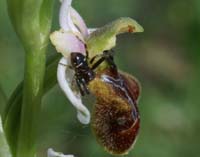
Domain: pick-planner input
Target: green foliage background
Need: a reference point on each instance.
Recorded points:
(165, 58)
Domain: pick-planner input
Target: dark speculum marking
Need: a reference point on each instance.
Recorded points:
(121, 87)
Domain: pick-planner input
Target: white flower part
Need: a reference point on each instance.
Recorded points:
(66, 42)
(4, 149)
(90, 30)
(70, 20)
(65, 17)
(1, 126)
(65, 78)
(52, 153)
(79, 22)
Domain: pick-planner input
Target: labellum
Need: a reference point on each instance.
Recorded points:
(115, 118)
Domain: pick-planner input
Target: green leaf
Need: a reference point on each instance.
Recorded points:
(104, 38)
(31, 20)
(3, 100)
(11, 116)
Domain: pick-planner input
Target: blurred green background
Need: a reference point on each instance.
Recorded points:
(165, 58)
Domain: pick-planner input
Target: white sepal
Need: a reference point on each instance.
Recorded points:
(52, 153)
(66, 42)
(65, 78)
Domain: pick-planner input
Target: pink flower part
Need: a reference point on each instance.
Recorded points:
(79, 22)
(64, 16)
(67, 42)
(70, 20)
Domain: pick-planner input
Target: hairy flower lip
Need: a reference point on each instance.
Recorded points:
(65, 76)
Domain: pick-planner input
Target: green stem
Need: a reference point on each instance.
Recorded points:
(32, 95)
(12, 112)
(3, 100)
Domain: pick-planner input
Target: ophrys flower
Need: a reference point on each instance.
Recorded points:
(115, 118)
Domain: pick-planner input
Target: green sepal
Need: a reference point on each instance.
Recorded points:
(104, 38)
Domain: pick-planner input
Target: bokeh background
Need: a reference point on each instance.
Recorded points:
(165, 58)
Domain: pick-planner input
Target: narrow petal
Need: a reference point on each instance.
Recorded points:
(64, 14)
(65, 19)
(66, 42)
(104, 38)
(65, 76)
(79, 22)
(52, 153)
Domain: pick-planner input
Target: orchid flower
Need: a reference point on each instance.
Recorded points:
(74, 36)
